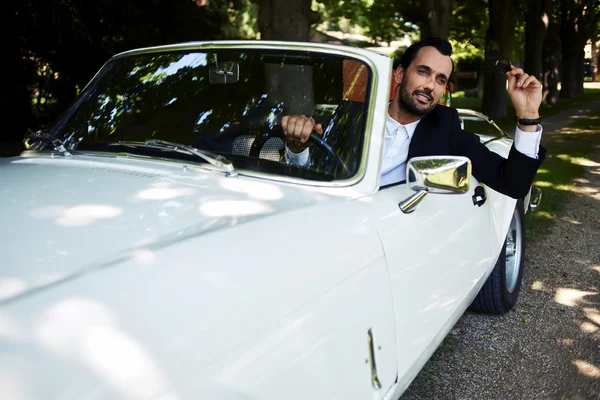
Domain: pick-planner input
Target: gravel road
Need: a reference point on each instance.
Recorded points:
(549, 346)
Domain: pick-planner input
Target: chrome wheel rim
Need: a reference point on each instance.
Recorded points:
(514, 251)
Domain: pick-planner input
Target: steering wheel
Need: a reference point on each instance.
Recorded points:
(277, 131)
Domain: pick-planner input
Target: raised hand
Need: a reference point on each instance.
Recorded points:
(525, 93)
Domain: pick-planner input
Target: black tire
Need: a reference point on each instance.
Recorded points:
(496, 296)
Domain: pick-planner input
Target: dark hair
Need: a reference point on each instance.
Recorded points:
(441, 45)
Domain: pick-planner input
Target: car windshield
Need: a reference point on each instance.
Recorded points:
(227, 102)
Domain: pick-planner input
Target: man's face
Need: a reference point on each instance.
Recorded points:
(423, 83)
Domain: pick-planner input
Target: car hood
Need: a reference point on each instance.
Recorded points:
(65, 216)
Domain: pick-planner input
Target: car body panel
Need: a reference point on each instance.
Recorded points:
(479, 123)
(181, 338)
(429, 284)
(131, 277)
(97, 211)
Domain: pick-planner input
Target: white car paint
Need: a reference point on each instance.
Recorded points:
(141, 279)
(429, 285)
(88, 211)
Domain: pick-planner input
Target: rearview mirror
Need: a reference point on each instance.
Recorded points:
(224, 72)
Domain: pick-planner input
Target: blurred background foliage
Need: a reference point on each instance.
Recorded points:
(56, 46)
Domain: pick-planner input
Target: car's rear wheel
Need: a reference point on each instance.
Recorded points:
(500, 292)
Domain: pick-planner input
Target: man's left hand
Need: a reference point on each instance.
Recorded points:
(525, 93)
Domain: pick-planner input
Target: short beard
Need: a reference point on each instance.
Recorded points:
(408, 103)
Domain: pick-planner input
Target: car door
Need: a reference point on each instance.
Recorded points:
(436, 255)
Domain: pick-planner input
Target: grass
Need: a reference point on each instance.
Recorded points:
(567, 149)
(459, 100)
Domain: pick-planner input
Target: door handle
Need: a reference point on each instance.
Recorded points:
(374, 376)
(479, 197)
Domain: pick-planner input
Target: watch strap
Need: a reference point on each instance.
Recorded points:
(529, 121)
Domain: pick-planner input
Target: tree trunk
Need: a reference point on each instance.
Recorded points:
(537, 21)
(567, 33)
(569, 70)
(579, 72)
(499, 31)
(285, 19)
(290, 85)
(551, 56)
(436, 17)
(595, 60)
(577, 23)
(572, 68)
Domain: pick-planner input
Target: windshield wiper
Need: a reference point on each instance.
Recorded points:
(56, 142)
(214, 159)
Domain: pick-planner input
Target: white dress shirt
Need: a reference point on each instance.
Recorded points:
(397, 141)
(395, 150)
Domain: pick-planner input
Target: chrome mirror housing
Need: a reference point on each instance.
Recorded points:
(436, 174)
(439, 174)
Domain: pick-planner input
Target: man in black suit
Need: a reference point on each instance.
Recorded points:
(417, 126)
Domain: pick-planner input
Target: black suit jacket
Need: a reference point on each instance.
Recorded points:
(439, 133)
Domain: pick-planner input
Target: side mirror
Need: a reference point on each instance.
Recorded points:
(436, 174)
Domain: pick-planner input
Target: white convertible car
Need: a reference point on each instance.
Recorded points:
(157, 245)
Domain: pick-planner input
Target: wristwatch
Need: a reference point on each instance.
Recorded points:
(529, 121)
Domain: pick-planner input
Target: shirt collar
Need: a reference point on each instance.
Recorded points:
(392, 126)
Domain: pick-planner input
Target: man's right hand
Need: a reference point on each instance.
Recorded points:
(297, 130)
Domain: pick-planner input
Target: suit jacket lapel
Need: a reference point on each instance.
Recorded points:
(423, 134)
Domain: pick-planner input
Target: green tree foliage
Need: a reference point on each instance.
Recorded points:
(338, 13)
(468, 25)
(58, 45)
(386, 20)
(385, 23)
(242, 18)
(431, 16)
(469, 18)
(381, 20)
(61, 44)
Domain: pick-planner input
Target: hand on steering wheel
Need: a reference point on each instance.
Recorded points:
(297, 129)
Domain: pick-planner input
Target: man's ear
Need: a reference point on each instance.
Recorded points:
(399, 74)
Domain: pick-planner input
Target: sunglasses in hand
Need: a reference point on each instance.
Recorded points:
(493, 62)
